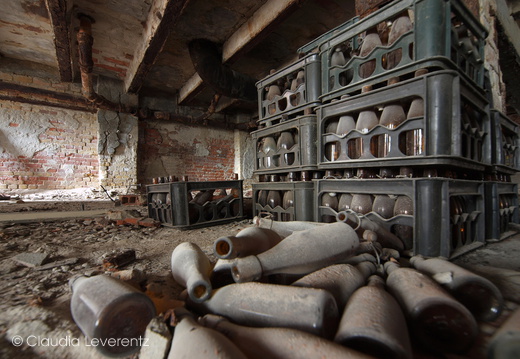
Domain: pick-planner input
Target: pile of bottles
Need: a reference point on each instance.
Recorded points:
(303, 290)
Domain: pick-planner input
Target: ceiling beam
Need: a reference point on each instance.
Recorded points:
(58, 15)
(161, 19)
(253, 30)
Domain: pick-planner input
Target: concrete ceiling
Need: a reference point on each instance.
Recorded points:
(144, 42)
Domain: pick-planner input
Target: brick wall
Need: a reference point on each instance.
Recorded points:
(202, 154)
(47, 148)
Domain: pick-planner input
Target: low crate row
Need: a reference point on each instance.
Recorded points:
(195, 204)
(432, 216)
(395, 41)
(432, 119)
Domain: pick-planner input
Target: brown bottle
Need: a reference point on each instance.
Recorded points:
(478, 294)
(384, 206)
(298, 81)
(271, 305)
(436, 320)
(288, 198)
(329, 200)
(367, 120)
(415, 138)
(370, 41)
(340, 280)
(373, 323)
(279, 343)
(192, 340)
(249, 241)
(337, 59)
(106, 308)
(345, 202)
(505, 343)
(286, 142)
(404, 205)
(361, 203)
(332, 149)
(269, 147)
(400, 26)
(300, 253)
(191, 268)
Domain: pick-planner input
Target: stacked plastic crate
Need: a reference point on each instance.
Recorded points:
(406, 135)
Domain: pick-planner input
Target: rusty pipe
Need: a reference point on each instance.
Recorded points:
(86, 66)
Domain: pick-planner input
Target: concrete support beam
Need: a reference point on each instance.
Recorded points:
(161, 19)
(256, 27)
(58, 16)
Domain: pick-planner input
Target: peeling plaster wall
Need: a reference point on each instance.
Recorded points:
(202, 154)
(47, 148)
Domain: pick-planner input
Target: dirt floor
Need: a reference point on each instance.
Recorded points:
(35, 301)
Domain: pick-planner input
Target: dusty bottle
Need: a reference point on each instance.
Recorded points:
(370, 42)
(298, 81)
(269, 147)
(400, 26)
(284, 229)
(193, 340)
(249, 241)
(337, 58)
(414, 138)
(191, 268)
(329, 200)
(404, 205)
(505, 343)
(279, 343)
(437, 321)
(345, 202)
(285, 143)
(384, 205)
(288, 198)
(273, 90)
(333, 148)
(373, 323)
(271, 305)
(367, 120)
(300, 253)
(361, 203)
(340, 280)
(106, 308)
(362, 224)
(478, 294)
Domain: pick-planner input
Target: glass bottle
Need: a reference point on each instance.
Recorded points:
(384, 205)
(361, 203)
(345, 202)
(332, 149)
(404, 205)
(400, 26)
(366, 121)
(106, 308)
(329, 200)
(301, 252)
(438, 321)
(191, 268)
(373, 323)
(337, 58)
(415, 141)
(248, 241)
(288, 198)
(370, 42)
(298, 81)
(286, 143)
(269, 147)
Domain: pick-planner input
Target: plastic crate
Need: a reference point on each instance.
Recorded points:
(290, 103)
(455, 128)
(434, 42)
(302, 156)
(303, 196)
(506, 142)
(439, 229)
(170, 204)
(501, 209)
